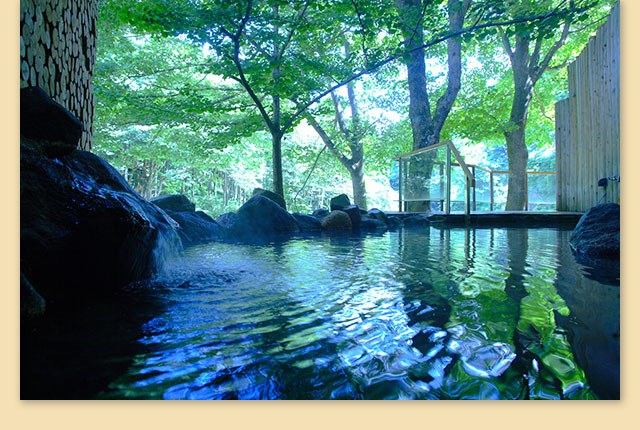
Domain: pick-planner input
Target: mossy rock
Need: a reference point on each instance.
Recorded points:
(337, 221)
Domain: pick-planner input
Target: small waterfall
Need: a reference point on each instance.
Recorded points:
(167, 254)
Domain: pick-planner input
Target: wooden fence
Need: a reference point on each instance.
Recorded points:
(57, 54)
(588, 123)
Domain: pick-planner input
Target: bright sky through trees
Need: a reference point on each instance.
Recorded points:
(167, 115)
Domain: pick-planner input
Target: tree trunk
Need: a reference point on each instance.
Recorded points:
(358, 184)
(419, 106)
(517, 152)
(518, 156)
(426, 128)
(527, 69)
(276, 151)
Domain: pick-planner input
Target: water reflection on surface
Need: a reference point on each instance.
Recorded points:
(428, 314)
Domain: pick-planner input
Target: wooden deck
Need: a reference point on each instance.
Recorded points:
(549, 219)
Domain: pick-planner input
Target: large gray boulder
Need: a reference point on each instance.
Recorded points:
(227, 220)
(83, 230)
(261, 218)
(369, 224)
(174, 202)
(354, 213)
(308, 222)
(320, 213)
(271, 195)
(339, 202)
(197, 227)
(378, 214)
(597, 234)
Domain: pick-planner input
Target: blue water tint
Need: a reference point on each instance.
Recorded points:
(429, 314)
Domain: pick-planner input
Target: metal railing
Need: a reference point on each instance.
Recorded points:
(443, 181)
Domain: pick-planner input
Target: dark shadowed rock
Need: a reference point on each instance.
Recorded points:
(336, 221)
(339, 202)
(308, 222)
(271, 195)
(354, 213)
(83, 230)
(320, 213)
(369, 223)
(227, 220)
(197, 227)
(32, 305)
(394, 222)
(260, 218)
(379, 215)
(597, 234)
(418, 220)
(175, 203)
(50, 128)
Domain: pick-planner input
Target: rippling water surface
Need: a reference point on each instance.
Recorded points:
(429, 314)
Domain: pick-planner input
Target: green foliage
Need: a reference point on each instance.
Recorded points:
(174, 115)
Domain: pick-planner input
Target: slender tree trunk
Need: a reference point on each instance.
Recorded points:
(358, 184)
(419, 106)
(527, 67)
(426, 128)
(276, 125)
(276, 145)
(517, 152)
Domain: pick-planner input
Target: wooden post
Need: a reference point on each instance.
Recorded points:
(491, 191)
(467, 197)
(400, 185)
(473, 171)
(447, 202)
(526, 191)
(441, 169)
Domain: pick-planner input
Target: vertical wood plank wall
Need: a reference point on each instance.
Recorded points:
(57, 53)
(588, 123)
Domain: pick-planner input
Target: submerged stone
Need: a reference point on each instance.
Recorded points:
(394, 222)
(417, 220)
(368, 223)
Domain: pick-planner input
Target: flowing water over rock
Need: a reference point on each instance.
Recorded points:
(426, 314)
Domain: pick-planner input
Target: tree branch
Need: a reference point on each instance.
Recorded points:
(328, 142)
(547, 58)
(170, 69)
(457, 12)
(542, 110)
(299, 16)
(339, 117)
(304, 184)
(377, 65)
(507, 45)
